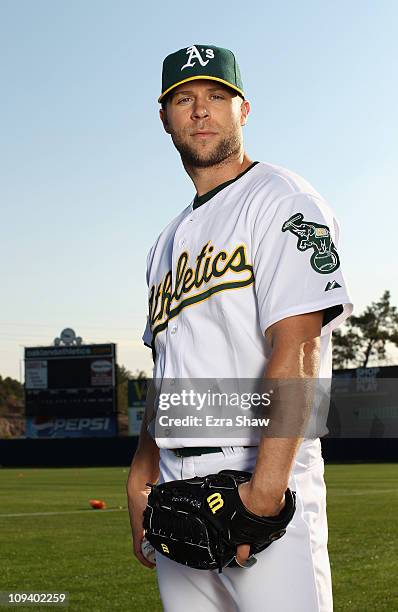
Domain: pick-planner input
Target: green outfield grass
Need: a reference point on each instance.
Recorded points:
(88, 552)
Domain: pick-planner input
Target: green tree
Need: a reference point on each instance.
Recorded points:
(123, 375)
(366, 336)
(11, 393)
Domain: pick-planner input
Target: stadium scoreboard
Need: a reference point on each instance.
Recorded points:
(71, 381)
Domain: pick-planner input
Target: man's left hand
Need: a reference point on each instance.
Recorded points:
(260, 504)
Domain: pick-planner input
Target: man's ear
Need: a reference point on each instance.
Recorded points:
(244, 111)
(163, 118)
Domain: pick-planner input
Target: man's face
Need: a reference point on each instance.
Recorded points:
(205, 120)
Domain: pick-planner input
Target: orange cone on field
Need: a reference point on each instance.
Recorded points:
(97, 504)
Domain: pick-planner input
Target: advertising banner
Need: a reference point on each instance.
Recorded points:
(42, 427)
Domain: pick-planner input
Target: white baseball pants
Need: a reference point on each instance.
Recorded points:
(291, 575)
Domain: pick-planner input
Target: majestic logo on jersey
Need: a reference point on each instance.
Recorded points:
(332, 285)
(194, 284)
(165, 549)
(215, 502)
(324, 259)
(194, 54)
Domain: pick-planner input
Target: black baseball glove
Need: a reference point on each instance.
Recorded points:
(199, 522)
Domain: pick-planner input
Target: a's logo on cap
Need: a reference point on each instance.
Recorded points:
(194, 54)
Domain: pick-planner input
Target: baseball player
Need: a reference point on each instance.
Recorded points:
(245, 283)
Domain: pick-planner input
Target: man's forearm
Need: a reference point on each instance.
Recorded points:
(145, 464)
(295, 367)
(144, 468)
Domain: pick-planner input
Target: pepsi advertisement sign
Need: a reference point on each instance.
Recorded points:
(83, 427)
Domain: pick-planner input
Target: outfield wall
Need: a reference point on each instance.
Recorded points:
(119, 451)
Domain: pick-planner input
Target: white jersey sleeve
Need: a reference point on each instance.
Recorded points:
(297, 268)
(147, 336)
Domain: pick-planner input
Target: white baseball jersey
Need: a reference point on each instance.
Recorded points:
(261, 248)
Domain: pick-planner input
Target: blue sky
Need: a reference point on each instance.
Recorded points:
(89, 178)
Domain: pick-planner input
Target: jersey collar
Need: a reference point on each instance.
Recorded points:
(199, 200)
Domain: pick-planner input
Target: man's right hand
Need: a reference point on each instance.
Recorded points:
(137, 501)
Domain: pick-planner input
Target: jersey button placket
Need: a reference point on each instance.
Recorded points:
(178, 247)
(174, 344)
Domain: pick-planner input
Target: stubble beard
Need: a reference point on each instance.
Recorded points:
(229, 146)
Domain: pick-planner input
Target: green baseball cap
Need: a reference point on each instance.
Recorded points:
(201, 62)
